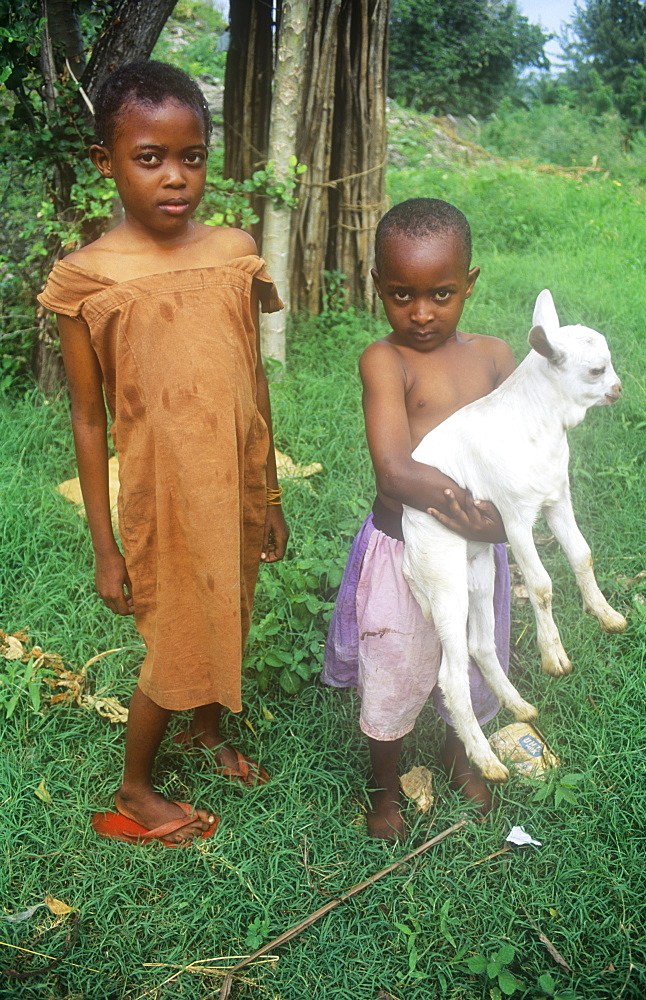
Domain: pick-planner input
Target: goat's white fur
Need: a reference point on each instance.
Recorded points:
(509, 447)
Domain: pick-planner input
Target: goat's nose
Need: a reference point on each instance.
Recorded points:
(615, 392)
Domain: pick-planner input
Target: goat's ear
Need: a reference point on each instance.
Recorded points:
(545, 313)
(538, 340)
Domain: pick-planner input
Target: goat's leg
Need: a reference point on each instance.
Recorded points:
(481, 632)
(435, 568)
(554, 659)
(560, 518)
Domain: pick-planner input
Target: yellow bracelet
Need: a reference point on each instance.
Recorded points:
(274, 497)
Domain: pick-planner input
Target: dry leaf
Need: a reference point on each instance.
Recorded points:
(248, 723)
(57, 906)
(110, 708)
(42, 794)
(267, 714)
(417, 785)
(287, 469)
(11, 647)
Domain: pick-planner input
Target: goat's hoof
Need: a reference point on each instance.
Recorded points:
(525, 712)
(495, 772)
(613, 622)
(557, 667)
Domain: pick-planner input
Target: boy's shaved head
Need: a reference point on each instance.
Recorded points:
(421, 217)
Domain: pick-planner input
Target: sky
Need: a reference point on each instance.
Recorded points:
(550, 14)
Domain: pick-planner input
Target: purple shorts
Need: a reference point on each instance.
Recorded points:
(380, 642)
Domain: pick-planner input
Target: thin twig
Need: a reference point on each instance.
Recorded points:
(556, 955)
(287, 935)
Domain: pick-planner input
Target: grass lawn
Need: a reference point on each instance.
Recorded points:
(144, 916)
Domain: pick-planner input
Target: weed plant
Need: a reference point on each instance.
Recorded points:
(145, 914)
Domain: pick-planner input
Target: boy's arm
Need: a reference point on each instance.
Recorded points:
(398, 475)
(276, 529)
(89, 426)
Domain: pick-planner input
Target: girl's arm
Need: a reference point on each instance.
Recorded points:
(89, 426)
(276, 530)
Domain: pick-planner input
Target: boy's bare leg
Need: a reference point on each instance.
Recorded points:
(384, 818)
(463, 778)
(137, 798)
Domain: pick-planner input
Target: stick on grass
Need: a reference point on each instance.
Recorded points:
(287, 935)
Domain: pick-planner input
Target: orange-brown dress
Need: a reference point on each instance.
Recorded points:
(177, 352)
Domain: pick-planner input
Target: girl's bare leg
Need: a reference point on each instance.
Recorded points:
(137, 798)
(384, 818)
(206, 735)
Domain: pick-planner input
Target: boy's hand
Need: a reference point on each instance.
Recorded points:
(111, 579)
(276, 534)
(476, 520)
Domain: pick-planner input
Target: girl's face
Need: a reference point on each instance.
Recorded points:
(158, 162)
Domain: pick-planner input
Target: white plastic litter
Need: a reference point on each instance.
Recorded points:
(518, 836)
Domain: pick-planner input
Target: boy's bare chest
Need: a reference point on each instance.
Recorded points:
(436, 389)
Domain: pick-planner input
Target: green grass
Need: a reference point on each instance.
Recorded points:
(283, 850)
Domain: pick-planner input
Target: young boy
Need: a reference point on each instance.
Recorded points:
(413, 379)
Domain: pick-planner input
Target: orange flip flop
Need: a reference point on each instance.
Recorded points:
(116, 826)
(247, 772)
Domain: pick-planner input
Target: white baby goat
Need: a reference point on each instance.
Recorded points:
(509, 447)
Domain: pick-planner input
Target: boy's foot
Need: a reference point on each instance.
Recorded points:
(384, 818)
(231, 762)
(152, 810)
(462, 776)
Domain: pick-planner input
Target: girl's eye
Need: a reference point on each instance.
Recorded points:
(195, 159)
(597, 371)
(150, 159)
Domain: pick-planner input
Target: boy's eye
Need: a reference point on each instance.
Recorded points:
(442, 295)
(402, 296)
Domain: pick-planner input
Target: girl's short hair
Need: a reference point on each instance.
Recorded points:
(148, 82)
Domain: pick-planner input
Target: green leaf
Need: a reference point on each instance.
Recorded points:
(508, 982)
(403, 928)
(493, 968)
(289, 682)
(477, 963)
(506, 954)
(546, 982)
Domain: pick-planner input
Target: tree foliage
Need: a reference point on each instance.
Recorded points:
(459, 56)
(608, 49)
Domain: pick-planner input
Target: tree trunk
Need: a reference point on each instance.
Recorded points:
(130, 32)
(285, 115)
(341, 137)
(359, 145)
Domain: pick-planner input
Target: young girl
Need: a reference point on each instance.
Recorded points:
(161, 315)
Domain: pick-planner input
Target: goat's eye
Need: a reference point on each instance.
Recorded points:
(597, 371)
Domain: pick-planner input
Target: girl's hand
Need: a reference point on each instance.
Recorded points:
(276, 534)
(113, 583)
(476, 520)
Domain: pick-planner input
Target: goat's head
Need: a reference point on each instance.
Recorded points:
(578, 354)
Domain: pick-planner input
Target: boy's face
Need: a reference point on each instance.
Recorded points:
(423, 283)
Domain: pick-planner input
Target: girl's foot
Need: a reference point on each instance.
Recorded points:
(151, 810)
(384, 818)
(462, 777)
(231, 763)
